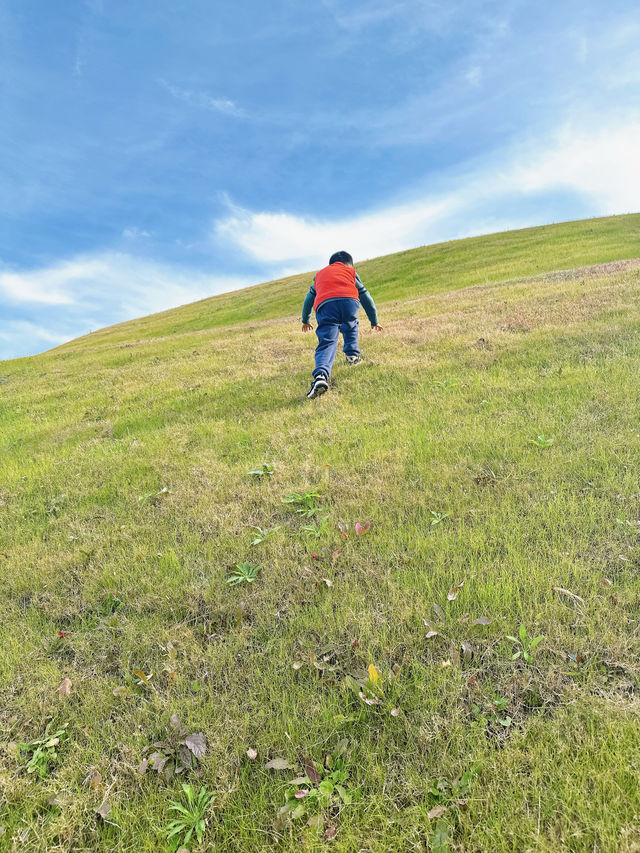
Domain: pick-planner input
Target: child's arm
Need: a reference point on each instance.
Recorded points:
(307, 307)
(366, 300)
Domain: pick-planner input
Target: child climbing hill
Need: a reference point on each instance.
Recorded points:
(336, 295)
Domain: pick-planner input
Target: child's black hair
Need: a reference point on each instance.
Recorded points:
(341, 258)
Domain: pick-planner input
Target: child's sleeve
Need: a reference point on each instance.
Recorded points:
(307, 305)
(366, 300)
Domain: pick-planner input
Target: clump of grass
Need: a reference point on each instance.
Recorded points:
(192, 816)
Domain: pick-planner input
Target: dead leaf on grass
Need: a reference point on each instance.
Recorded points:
(64, 688)
(365, 527)
(482, 620)
(278, 764)
(252, 753)
(104, 810)
(431, 631)
(453, 592)
(310, 770)
(330, 832)
(368, 700)
(144, 678)
(436, 812)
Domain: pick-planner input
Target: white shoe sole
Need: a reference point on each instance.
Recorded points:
(317, 391)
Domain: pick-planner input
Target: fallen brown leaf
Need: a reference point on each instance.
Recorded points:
(436, 812)
(104, 810)
(330, 832)
(453, 592)
(431, 631)
(278, 764)
(310, 770)
(64, 688)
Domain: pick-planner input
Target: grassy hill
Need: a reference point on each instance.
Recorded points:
(491, 439)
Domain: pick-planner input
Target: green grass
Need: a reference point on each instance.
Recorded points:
(126, 500)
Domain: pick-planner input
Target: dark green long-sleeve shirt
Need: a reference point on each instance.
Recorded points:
(366, 300)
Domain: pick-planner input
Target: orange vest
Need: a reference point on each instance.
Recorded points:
(335, 280)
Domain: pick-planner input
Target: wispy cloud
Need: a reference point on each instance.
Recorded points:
(33, 287)
(408, 14)
(134, 233)
(599, 169)
(203, 100)
(66, 298)
(17, 330)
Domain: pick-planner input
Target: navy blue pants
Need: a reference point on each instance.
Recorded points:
(333, 317)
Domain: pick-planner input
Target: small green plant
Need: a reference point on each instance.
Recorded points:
(264, 533)
(319, 789)
(526, 644)
(262, 471)
(243, 573)
(178, 752)
(446, 799)
(491, 713)
(304, 504)
(446, 383)
(41, 753)
(438, 517)
(317, 530)
(370, 690)
(110, 604)
(541, 440)
(192, 818)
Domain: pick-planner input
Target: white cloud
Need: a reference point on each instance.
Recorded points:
(136, 286)
(203, 100)
(600, 168)
(33, 287)
(134, 233)
(71, 298)
(602, 164)
(19, 330)
(282, 237)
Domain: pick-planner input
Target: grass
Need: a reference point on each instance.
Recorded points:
(126, 500)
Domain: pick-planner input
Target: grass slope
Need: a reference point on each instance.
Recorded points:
(125, 496)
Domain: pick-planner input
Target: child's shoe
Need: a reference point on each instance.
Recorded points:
(354, 359)
(318, 386)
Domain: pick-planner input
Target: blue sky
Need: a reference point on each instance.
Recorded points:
(154, 152)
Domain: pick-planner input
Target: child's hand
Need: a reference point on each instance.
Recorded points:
(377, 328)
(307, 327)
